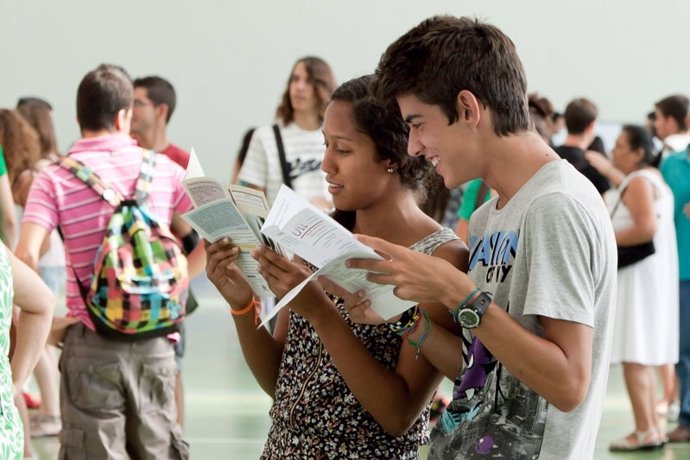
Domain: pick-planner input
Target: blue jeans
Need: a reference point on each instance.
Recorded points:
(683, 366)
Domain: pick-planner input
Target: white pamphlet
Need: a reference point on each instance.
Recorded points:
(314, 236)
(194, 168)
(235, 213)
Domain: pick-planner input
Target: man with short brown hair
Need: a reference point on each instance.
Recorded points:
(536, 310)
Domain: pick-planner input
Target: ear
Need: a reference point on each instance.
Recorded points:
(389, 164)
(469, 108)
(639, 153)
(591, 127)
(162, 112)
(122, 120)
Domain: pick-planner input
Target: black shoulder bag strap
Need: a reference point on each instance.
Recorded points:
(281, 154)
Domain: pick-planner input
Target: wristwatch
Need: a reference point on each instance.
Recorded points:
(471, 314)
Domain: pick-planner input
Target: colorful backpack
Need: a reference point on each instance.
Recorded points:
(139, 285)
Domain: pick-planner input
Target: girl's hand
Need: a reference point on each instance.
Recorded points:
(281, 274)
(222, 270)
(357, 304)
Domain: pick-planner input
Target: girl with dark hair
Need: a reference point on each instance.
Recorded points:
(647, 303)
(297, 133)
(342, 389)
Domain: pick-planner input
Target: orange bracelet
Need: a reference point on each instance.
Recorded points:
(250, 306)
(244, 310)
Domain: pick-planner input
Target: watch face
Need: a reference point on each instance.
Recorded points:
(468, 318)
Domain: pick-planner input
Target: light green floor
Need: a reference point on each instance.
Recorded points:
(227, 413)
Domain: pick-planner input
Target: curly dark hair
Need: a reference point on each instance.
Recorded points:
(386, 128)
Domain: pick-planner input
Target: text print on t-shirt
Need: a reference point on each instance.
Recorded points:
(496, 252)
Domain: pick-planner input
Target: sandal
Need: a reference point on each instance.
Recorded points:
(639, 440)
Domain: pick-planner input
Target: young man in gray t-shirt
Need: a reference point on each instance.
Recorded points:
(535, 311)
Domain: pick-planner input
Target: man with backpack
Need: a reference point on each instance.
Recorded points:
(153, 105)
(126, 287)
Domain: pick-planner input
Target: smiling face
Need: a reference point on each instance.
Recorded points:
(449, 147)
(356, 179)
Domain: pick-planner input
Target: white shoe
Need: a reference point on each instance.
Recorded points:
(43, 425)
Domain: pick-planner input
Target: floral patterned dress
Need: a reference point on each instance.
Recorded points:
(316, 416)
(11, 434)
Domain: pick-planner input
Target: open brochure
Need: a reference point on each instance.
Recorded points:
(308, 232)
(235, 212)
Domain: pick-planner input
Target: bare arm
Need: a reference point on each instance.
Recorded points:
(639, 199)
(605, 167)
(261, 351)
(196, 260)
(31, 239)
(394, 398)
(36, 302)
(565, 347)
(462, 229)
(560, 370)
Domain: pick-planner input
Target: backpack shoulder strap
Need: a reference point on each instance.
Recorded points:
(90, 178)
(143, 187)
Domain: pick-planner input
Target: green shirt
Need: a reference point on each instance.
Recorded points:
(676, 171)
(469, 198)
(3, 166)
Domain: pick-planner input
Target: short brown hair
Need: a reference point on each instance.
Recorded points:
(579, 114)
(676, 107)
(444, 55)
(320, 75)
(102, 93)
(160, 91)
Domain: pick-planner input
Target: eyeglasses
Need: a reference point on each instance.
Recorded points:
(139, 103)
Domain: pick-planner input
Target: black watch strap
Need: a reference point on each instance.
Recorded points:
(470, 316)
(481, 303)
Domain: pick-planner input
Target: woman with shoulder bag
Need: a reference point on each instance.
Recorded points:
(646, 326)
(290, 151)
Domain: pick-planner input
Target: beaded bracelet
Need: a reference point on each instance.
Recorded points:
(460, 306)
(407, 322)
(427, 330)
(253, 304)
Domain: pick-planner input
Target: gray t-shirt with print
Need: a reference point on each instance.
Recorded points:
(551, 252)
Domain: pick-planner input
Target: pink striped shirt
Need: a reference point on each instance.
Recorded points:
(57, 197)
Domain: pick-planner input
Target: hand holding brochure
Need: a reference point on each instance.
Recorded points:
(305, 230)
(236, 213)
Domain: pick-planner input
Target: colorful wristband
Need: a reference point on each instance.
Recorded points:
(253, 305)
(407, 322)
(460, 306)
(427, 330)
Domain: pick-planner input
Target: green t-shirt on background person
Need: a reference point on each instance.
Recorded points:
(469, 198)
